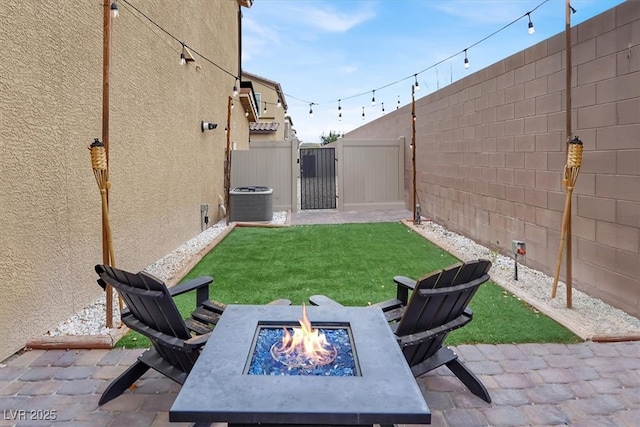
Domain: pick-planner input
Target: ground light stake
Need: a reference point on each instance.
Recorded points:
(101, 173)
(571, 171)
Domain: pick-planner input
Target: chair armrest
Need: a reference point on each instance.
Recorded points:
(406, 282)
(197, 341)
(323, 300)
(404, 285)
(201, 284)
(162, 338)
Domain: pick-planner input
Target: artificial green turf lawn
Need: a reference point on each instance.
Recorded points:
(355, 265)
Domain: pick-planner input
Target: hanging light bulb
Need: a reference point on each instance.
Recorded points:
(416, 85)
(373, 99)
(114, 10)
(340, 116)
(265, 107)
(232, 105)
(339, 106)
(235, 88)
(466, 60)
(183, 59)
(531, 29)
(398, 104)
(311, 109)
(246, 113)
(279, 104)
(362, 113)
(383, 109)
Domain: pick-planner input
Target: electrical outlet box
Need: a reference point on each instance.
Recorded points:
(518, 247)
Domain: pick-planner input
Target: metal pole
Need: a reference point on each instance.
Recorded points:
(413, 151)
(227, 161)
(106, 57)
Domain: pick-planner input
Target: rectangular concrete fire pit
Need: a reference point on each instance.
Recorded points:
(219, 390)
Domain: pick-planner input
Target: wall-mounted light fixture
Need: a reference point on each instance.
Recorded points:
(207, 126)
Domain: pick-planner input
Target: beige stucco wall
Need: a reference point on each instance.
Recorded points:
(162, 167)
(490, 151)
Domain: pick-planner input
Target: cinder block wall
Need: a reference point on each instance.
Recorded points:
(491, 153)
(162, 166)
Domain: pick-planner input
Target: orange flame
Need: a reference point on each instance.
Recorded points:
(307, 342)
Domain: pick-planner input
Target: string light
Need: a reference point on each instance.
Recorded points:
(128, 5)
(183, 59)
(246, 113)
(235, 88)
(279, 103)
(340, 116)
(362, 113)
(265, 108)
(373, 99)
(232, 105)
(383, 109)
(114, 10)
(416, 85)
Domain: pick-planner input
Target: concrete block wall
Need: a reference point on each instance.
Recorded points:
(491, 153)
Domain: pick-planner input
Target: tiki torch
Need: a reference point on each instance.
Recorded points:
(571, 170)
(101, 173)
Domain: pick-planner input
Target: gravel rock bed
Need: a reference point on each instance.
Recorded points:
(91, 319)
(588, 317)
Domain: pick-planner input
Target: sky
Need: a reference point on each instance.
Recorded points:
(322, 51)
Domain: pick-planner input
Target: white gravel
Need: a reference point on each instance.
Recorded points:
(588, 317)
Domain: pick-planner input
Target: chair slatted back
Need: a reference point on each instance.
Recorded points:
(149, 301)
(439, 299)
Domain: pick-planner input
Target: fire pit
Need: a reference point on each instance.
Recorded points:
(364, 381)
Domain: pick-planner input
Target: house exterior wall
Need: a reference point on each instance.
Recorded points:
(162, 167)
(490, 153)
(269, 94)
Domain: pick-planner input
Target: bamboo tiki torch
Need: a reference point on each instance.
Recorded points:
(571, 171)
(101, 173)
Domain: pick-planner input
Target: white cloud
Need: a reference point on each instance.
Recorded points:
(328, 19)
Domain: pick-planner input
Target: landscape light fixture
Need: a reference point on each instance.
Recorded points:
(531, 29)
(466, 60)
(416, 85)
(373, 99)
(114, 10)
(207, 126)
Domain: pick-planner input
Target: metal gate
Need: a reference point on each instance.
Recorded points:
(317, 178)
